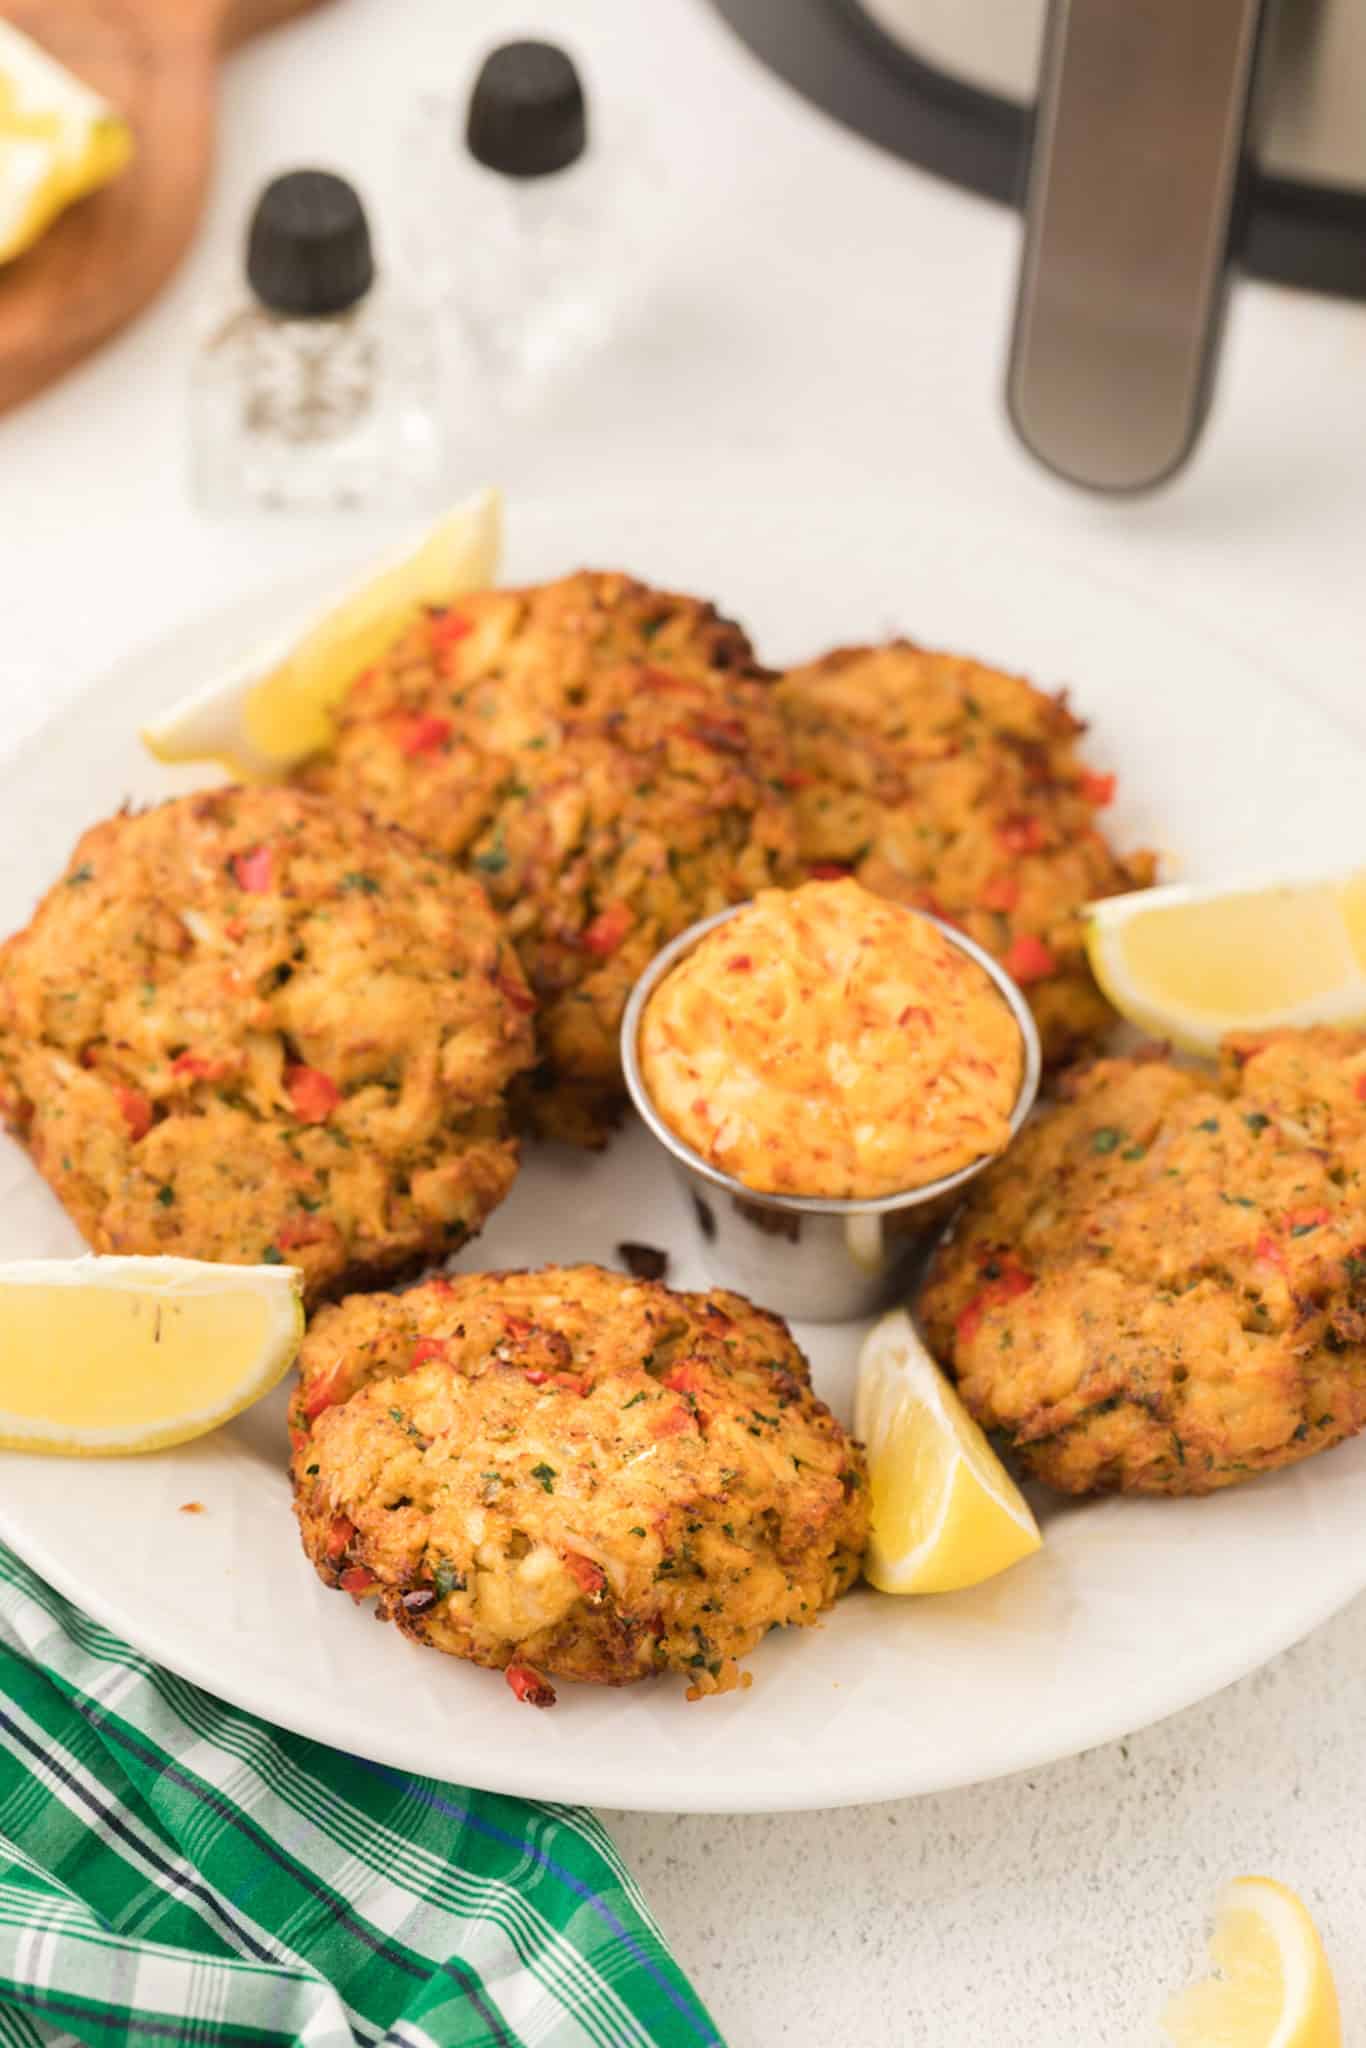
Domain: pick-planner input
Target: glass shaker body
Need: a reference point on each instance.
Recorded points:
(527, 276)
(316, 414)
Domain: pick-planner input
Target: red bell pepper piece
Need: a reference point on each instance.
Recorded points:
(312, 1094)
(254, 871)
(529, 1686)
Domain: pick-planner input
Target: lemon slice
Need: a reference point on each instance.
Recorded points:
(1190, 964)
(103, 1356)
(274, 709)
(1272, 1986)
(945, 1512)
(58, 141)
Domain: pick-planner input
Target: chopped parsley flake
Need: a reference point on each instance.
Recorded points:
(272, 1256)
(365, 884)
(84, 873)
(632, 1402)
(493, 860)
(546, 1474)
(1209, 1123)
(1106, 1139)
(166, 1195)
(447, 1579)
(1256, 1122)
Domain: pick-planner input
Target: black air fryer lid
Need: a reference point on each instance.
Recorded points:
(527, 115)
(308, 250)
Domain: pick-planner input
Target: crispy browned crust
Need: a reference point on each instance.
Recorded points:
(156, 1014)
(607, 760)
(1162, 1287)
(951, 786)
(574, 1470)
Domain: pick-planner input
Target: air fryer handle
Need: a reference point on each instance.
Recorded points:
(1140, 140)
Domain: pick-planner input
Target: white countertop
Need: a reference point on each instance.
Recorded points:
(808, 309)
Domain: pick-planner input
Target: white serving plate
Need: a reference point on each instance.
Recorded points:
(1132, 1610)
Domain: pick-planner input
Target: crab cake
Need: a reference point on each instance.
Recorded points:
(1162, 1286)
(252, 1025)
(572, 1472)
(958, 789)
(607, 760)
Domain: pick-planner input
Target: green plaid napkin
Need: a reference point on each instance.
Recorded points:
(173, 1871)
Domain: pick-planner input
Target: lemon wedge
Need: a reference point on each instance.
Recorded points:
(945, 1512)
(104, 1356)
(58, 141)
(1190, 964)
(274, 709)
(1272, 1986)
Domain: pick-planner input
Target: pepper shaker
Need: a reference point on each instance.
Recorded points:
(315, 390)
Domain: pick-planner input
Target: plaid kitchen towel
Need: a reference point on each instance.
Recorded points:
(173, 1871)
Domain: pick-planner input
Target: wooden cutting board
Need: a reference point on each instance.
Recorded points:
(101, 262)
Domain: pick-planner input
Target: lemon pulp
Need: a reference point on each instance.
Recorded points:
(945, 1513)
(104, 1359)
(1272, 1986)
(1193, 964)
(1243, 954)
(100, 1355)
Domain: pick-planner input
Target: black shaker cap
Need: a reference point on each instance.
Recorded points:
(527, 114)
(308, 250)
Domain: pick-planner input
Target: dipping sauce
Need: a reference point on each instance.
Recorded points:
(826, 1042)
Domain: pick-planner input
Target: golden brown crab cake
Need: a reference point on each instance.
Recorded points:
(573, 1473)
(1161, 1287)
(958, 789)
(253, 1025)
(607, 760)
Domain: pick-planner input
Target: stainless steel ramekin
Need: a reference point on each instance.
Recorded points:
(816, 1260)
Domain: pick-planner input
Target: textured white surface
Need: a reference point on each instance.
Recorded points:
(1053, 1910)
(812, 312)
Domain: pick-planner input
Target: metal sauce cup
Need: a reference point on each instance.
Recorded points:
(814, 1259)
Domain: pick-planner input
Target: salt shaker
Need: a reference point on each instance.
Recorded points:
(521, 217)
(315, 390)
